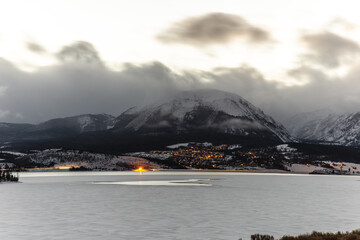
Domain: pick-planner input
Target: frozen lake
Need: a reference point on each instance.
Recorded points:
(175, 205)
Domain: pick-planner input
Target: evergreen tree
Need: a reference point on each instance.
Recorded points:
(6, 175)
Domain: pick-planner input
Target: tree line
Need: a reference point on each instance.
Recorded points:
(7, 175)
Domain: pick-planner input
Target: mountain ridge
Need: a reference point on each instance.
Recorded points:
(198, 115)
(341, 129)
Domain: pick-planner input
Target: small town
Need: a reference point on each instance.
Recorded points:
(207, 156)
(187, 156)
(236, 157)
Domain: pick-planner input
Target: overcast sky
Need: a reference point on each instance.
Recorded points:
(68, 57)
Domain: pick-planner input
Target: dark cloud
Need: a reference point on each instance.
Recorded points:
(306, 74)
(213, 28)
(319, 90)
(35, 47)
(248, 82)
(79, 52)
(324, 91)
(329, 50)
(70, 88)
(244, 80)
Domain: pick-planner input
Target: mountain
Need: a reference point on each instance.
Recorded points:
(58, 128)
(329, 128)
(303, 125)
(190, 116)
(10, 131)
(201, 111)
(78, 124)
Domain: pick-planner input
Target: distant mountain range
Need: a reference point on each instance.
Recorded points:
(190, 116)
(56, 128)
(326, 127)
(201, 115)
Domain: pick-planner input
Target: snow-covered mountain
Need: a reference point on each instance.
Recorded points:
(190, 116)
(201, 110)
(303, 125)
(337, 129)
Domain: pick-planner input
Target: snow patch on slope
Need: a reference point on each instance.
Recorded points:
(84, 121)
(285, 148)
(188, 103)
(175, 146)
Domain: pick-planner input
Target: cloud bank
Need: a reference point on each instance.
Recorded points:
(81, 83)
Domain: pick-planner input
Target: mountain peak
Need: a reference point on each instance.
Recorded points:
(205, 109)
(218, 100)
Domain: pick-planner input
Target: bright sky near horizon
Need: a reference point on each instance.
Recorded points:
(126, 31)
(291, 43)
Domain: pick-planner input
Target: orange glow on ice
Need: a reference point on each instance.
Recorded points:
(66, 167)
(140, 169)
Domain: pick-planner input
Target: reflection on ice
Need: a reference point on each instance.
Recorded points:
(189, 182)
